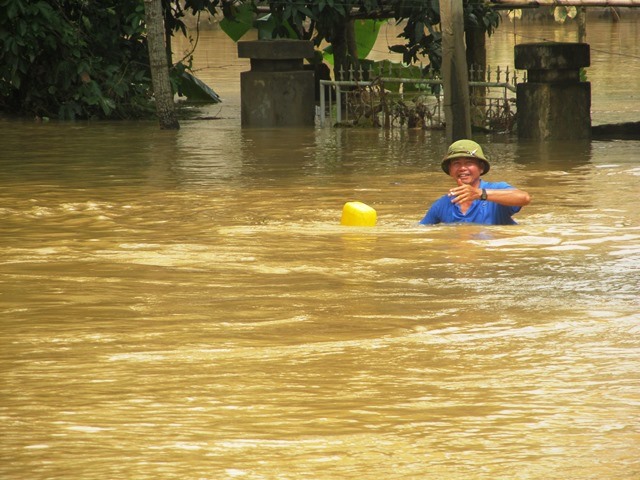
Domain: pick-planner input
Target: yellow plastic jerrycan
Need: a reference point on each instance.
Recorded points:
(358, 214)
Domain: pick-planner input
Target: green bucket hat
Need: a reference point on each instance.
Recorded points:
(465, 149)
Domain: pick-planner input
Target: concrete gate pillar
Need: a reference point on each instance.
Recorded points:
(553, 104)
(277, 92)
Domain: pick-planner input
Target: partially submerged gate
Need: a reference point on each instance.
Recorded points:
(397, 98)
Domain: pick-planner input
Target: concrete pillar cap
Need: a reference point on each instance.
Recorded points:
(551, 56)
(277, 49)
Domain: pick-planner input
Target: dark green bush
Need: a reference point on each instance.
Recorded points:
(74, 59)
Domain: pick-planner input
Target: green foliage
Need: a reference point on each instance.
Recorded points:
(561, 14)
(73, 59)
(421, 38)
(322, 20)
(88, 59)
(366, 31)
(478, 14)
(239, 20)
(175, 10)
(583, 74)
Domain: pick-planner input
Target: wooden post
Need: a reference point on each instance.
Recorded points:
(582, 25)
(454, 71)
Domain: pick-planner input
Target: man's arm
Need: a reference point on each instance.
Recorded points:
(510, 197)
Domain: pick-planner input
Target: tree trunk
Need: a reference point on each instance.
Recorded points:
(582, 25)
(159, 65)
(477, 63)
(352, 48)
(340, 52)
(454, 69)
(167, 38)
(476, 39)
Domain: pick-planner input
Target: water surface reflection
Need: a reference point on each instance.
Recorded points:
(182, 310)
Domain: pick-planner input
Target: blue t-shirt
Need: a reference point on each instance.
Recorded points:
(480, 211)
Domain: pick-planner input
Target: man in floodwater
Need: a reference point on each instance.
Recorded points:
(474, 200)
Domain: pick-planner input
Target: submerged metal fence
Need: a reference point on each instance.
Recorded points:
(389, 99)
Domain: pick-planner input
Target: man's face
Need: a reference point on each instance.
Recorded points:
(468, 170)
